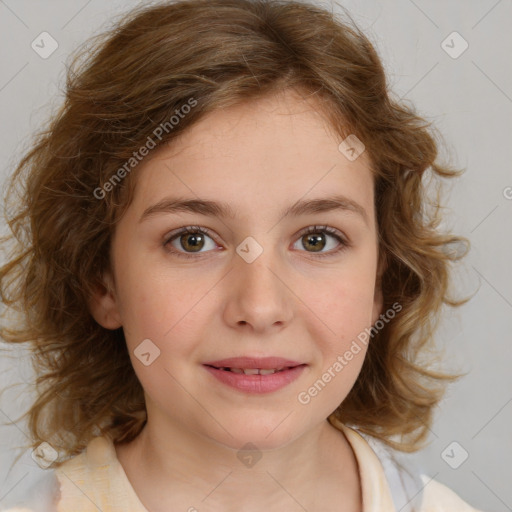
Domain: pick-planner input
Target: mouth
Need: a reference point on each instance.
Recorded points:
(255, 375)
(253, 371)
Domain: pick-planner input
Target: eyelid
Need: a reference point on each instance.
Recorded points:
(324, 228)
(187, 229)
(336, 233)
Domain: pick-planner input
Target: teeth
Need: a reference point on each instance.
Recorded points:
(251, 371)
(254, 371)
(267, 372)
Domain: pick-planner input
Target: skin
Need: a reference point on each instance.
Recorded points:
(260, 158)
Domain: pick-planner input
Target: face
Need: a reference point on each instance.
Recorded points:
(253, 282)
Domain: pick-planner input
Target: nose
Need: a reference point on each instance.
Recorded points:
(257, 296)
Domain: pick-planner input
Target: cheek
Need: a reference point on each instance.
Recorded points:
(159, 333)
(340, 326)
(344, 299)
(153, 304)
(161, 323)
(339, 322)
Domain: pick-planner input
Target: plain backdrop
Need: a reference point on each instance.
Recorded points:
(468, 96)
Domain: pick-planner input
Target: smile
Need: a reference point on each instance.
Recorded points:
(255, 380)
(255, 371)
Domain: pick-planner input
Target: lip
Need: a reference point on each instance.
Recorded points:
(266, 363)
(257, 384)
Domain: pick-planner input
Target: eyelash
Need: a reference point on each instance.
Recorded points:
(344, 244)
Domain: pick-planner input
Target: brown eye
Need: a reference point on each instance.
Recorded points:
(193, 242)
(316, 241)
(190, 241)
(317, 238)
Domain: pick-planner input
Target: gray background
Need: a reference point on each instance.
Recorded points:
(469, 99)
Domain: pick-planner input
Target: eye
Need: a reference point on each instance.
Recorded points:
(189, 241)
(316, 238)
(190, 238)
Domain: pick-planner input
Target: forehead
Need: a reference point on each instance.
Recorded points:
(282, 119)
(272, 149)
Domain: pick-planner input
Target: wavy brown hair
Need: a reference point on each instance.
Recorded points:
(120, 87)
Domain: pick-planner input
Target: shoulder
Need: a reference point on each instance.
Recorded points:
(86, 480)
(80, 484)
(95, 480)
(439, 498)
(410, 488)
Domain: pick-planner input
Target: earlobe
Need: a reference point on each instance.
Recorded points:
(103, 304)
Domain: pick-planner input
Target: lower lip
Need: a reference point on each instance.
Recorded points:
(257, 383)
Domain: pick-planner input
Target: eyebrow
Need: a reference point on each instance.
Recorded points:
(224, 210)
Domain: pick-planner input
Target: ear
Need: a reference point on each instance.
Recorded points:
(103, 304)
(378, 301)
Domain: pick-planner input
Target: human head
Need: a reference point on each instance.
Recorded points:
(303, 300)
(133, 83)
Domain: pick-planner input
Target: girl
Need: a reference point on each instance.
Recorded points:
(229, 268)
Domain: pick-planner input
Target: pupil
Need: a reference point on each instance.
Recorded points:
(195, 245)
(316, 241)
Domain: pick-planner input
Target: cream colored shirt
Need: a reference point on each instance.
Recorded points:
(95, 480)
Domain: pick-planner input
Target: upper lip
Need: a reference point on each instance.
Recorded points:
(266, 363)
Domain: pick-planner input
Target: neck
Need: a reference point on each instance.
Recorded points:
(186, 469)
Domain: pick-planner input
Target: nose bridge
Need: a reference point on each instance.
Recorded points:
(258, 276)
(257, 294)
